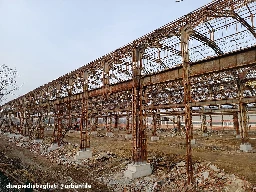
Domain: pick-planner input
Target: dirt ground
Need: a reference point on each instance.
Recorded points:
(219, 149)
(22, 165)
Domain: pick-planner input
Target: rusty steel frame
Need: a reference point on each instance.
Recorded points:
(192, 66)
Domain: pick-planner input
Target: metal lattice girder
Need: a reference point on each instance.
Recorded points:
(164, 69)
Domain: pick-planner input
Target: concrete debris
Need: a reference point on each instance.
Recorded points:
(181, 164)
(208, 177)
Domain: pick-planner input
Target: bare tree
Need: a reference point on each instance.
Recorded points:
(8, 82)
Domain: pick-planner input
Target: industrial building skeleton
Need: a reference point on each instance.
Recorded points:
(162, 70)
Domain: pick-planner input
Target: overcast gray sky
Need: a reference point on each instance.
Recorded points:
(44, 39)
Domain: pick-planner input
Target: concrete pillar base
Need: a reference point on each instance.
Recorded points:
(83, 155)
(25, 139)
(38, 140)
(110, 134)
(53, 147)
(193, 141)
(238, 136)
(17, 136)
(11, 135)
(246, 147)
(154, 138)
(94, 133)
(136, 171)
(128, 136)
(49, 128)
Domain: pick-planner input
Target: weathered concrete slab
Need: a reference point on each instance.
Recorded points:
(135, 171)
(83, 155)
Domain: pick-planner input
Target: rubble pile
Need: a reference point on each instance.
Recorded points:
(207, 178)
(169, 173)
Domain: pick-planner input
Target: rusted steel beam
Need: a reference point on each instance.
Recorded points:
(154, 123)
(204, 127)
(128, 129)
(210, 122)
(185, 33)
(238, 59)
(139, 154)
(84, 120)
(236, 123)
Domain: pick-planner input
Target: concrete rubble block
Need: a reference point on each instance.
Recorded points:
(38, 140)
(94, 133)
(19, 144)
(246, 147)
(193, 141)
(6, 133)
(138, 170)
(198, 181)
(214, 168)
(205, 135)
(25, 139)
(154, 138)
(86, 154)
(49, 128)
(17, 136)
(128, 136)
(53, 147)
(205, 175)
(110, 134)
(238, 136)
(181, 164)
(11, 135)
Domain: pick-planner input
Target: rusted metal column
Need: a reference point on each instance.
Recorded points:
(139, 154)
(173, 121)
(84, 123)
(21, 117)
(185, 32)
(59, 124)
(178, 124)
(236, 123)
(222, 122)
(116, 121)
(210, 122)
(39, 128)
(243, 122)
(128, 130)
(69, 104)
(154, 123)
(10, 123)
(105, 122)
(26, 119)
(204, 127)
(106, 78)
(58, 114)
(29, 122)
(95, 124)
(110, 123)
